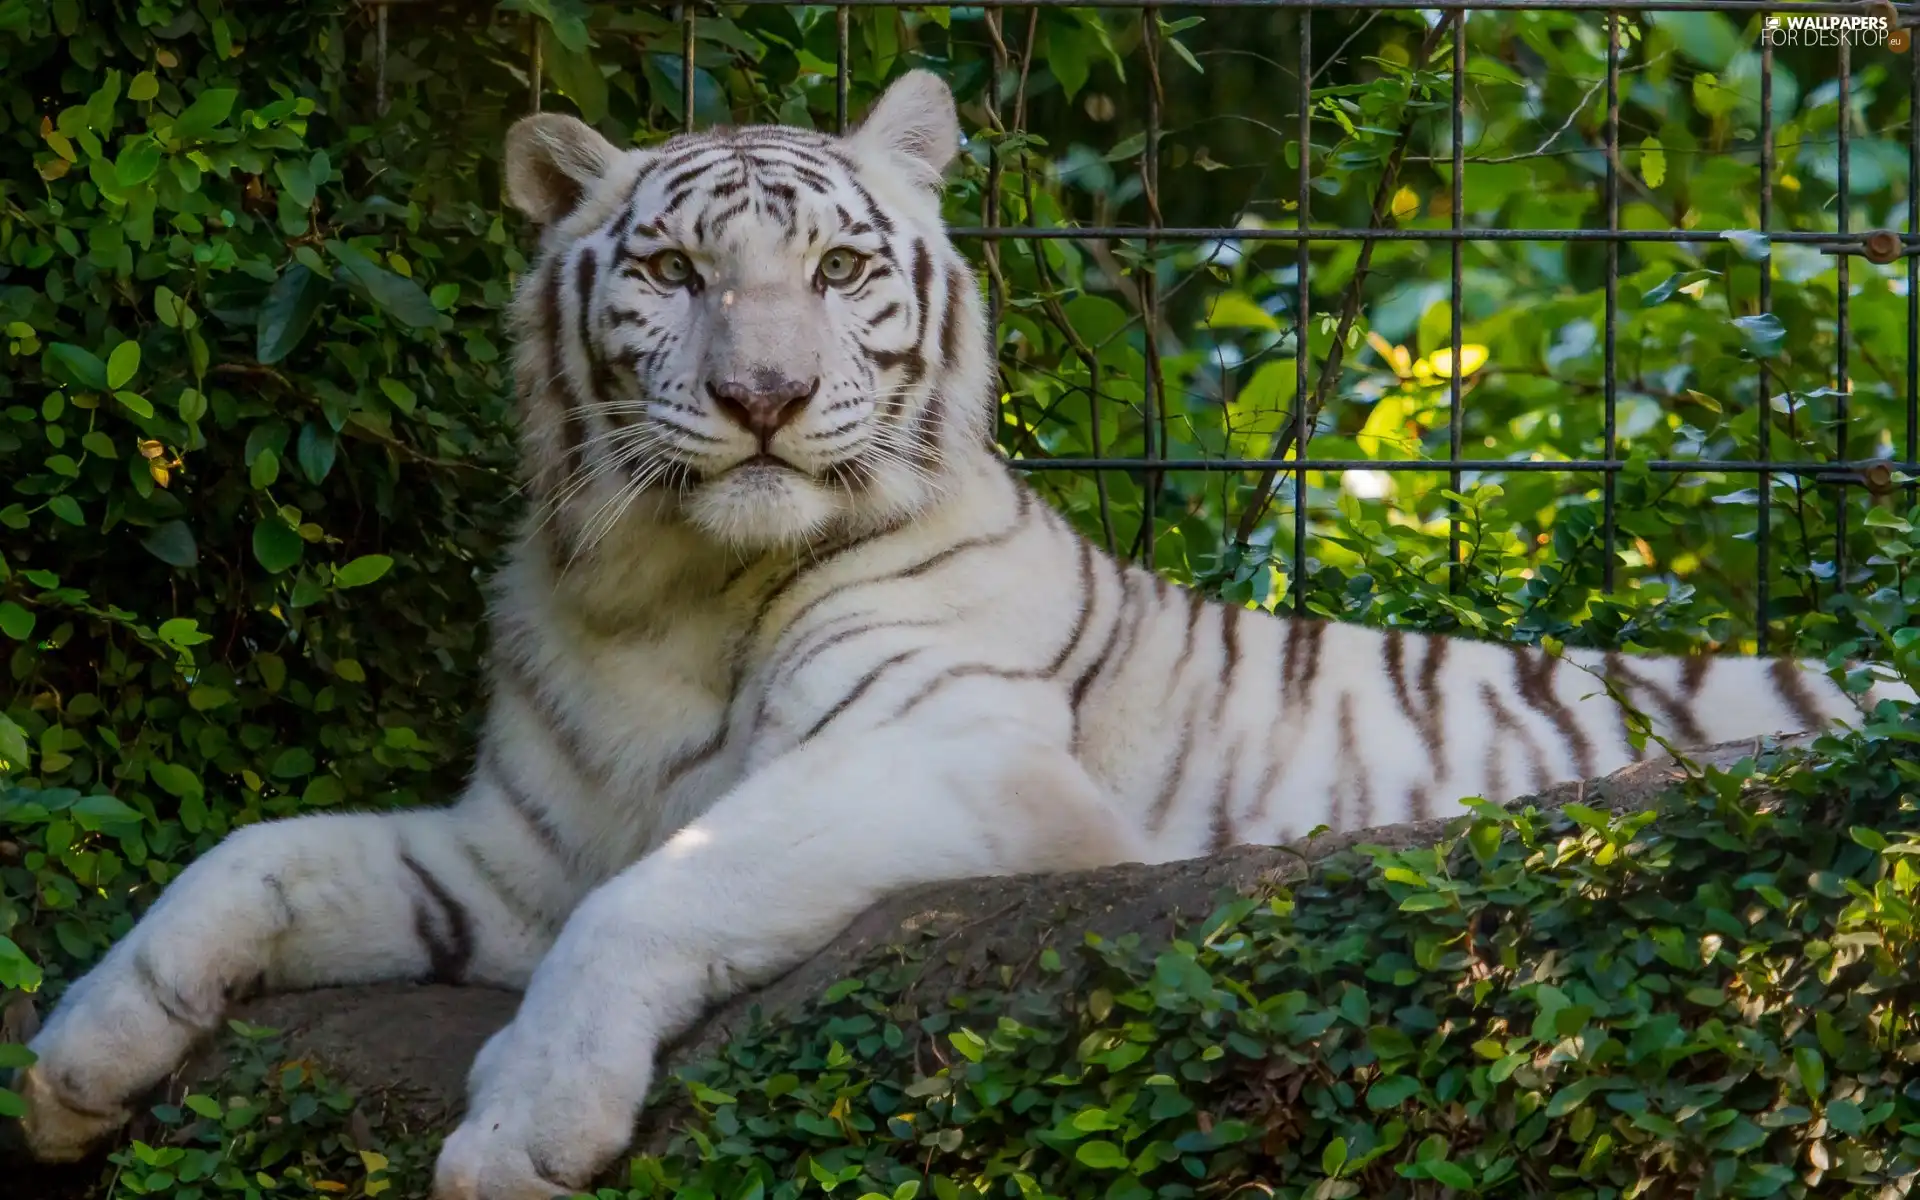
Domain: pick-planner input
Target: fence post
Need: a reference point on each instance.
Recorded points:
(1456, 416)
(1763, 536)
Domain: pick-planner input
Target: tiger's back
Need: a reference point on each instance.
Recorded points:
(1206, 724)
(1210, 724)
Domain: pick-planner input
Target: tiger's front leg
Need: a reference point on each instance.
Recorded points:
(767, 877)
(453, 894)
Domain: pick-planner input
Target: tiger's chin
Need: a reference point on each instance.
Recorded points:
(762, 506)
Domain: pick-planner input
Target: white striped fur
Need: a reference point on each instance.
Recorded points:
(734, 702)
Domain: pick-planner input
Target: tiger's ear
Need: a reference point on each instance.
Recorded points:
(552, 161)
(913, 123)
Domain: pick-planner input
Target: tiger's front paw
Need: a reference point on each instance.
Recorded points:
(59, 1126)
(112, 1038)
(539, 1123)
(481, 1162)
(511, 1153)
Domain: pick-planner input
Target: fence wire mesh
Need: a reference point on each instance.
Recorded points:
(1842, 446)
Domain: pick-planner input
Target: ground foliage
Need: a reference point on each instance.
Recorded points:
(256, 425)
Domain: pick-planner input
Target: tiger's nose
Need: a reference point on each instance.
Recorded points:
(765, 403)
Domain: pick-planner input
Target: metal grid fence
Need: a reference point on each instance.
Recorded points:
(1289, 452)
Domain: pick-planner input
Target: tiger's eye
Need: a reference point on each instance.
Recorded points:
(841, 266)
(671, 268)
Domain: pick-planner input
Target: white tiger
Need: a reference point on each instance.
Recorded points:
(785, 635)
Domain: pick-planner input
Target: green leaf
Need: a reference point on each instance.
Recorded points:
(15, 621)
(968, 1043)
(134, 403)
(13, 1056)
(1870, 838)
(399, 297)
(144, 87)
(1764, 334)
(15, 751)
(1102, 1156)
(1449, 1174)
(206, 112)
(362, 571)
(578, 78)
(173, 543)
(1386, 1042)
(275, 545)
(1740, 1136)
(1827, 883)
(1426, 902)
(136, 162)
(1845, 1117)
(1334, 1157)
(264, 470)
(321, 791)
(709, 1095)
(122, 364)
(98, 812)
(1663, 291)
(182, 632)
(78, 366)
(176, 779)
(16, 969)
(403, 397)
(294, 762)
(1753, 245)
(1067, 58)
(1572, 1096)
(1392, 1092)
(1812, 1070)
(1484, 840)
(1092, 1120)
(1653, 162)
(1712, 97)
(294, 178)
(1234, 310)
(287, 313)
(316, 450)
(67, 509)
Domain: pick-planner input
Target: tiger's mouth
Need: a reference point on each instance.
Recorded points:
(766, 460)
(762, 501)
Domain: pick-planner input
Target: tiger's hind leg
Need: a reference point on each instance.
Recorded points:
(334, 899)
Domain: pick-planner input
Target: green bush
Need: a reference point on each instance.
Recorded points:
(255, 426)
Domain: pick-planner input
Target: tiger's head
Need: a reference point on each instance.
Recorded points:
(762, 331)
